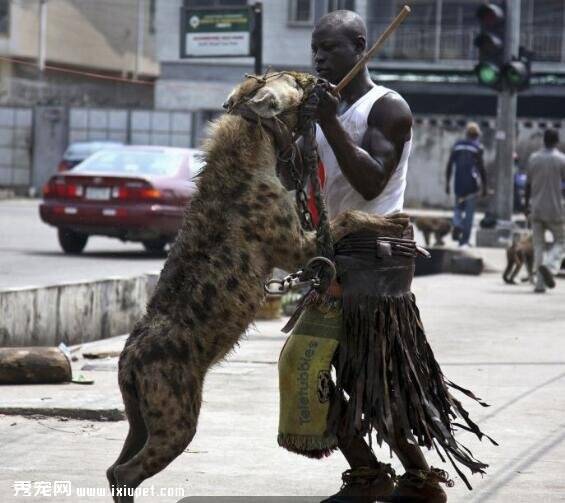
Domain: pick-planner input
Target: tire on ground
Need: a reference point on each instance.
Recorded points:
(155, 245)
(72, 242)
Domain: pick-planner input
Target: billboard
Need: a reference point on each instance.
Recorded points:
(216, 32)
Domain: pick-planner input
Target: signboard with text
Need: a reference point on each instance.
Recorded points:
(216, 32)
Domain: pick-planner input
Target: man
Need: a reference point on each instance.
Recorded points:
(367, 326)
(544, 203)
(470, 180)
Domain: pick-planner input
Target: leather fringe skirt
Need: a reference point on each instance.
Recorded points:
(388, 380)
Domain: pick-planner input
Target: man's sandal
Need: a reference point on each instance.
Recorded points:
(365, 485)
(421, 486)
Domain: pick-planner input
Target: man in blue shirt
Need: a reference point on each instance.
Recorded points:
(470, 180)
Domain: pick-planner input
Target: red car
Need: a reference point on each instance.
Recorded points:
(134, 193)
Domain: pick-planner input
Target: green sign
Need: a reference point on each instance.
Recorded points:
(212, 33)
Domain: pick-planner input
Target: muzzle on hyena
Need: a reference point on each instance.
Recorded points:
(240, 224)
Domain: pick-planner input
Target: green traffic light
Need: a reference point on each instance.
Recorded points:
(488, 74)
(516, 74)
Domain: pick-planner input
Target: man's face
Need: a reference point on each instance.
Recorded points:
(333, 52)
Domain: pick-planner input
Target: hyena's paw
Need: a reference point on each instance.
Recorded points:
(355, 221)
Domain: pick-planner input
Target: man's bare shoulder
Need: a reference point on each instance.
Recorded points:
(392, 115)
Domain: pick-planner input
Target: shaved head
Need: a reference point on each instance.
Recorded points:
(339, 40)
(347, 22)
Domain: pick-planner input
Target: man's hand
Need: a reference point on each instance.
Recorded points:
(327, 107)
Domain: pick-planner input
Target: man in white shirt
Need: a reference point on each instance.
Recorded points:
(387, 378)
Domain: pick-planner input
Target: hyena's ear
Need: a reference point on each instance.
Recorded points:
(264, 103)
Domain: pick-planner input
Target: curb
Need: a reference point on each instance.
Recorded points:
(73, 313)
(80, 414)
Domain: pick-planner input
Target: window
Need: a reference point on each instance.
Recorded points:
(301, 12)
(458, 29)
(415, 39)
(542, 29)
(152, 12)
(215, 3)
(341, 5)
(4, 16)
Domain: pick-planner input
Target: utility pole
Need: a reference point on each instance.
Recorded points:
(42, 35)
(258, 37)
(506, 128)
(140, 37)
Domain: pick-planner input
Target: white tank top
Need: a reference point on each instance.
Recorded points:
(339, 194)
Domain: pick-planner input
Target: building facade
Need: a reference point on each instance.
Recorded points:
(430, 60)
(431, 55)
(111, 38)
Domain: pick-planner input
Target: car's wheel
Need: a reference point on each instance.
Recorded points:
(72, 242)
(155, 245)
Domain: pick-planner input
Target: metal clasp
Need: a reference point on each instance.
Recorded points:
(291, 282)
(295, 280)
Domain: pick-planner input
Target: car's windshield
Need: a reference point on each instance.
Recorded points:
(196, 164)
(83, 150)
(159, 163)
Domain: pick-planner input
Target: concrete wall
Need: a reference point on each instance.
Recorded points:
(84, 33)
(284, 46)
(73, 313)
(16, 131)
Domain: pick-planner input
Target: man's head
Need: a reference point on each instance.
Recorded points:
(550, 138)
(338, 42)
(472, 131)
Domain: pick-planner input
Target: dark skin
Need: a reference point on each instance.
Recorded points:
(336, 47)
(368, 167)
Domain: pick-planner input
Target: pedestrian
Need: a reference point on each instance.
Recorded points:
(470, 180)
(367, 326)
(544, 206)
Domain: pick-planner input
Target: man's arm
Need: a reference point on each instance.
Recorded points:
(368, 168)
(528, 190)
(482, 171)
(448, 171)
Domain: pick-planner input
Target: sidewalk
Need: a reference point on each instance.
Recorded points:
(504, 342)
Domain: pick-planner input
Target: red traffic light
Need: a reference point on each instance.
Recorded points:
(490, 15)
(489, 42)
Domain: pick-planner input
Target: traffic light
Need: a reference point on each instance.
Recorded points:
(517, 72)
(490, 42)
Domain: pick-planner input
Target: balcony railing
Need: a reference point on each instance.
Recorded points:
(417, 43)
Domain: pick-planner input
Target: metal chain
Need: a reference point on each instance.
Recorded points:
(320, 271)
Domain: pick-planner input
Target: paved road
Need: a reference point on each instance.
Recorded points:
(30, 254)
(506, 343)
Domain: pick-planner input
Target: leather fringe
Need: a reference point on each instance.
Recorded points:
(309, 446)
(394, 385)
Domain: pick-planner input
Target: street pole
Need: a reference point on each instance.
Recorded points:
(258, 37)
(42, 35)
(140, 37)
(506, 127)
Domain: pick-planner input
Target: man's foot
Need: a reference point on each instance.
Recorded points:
(421, 486)
(456, 233)
(539, 289)
(545, 273)
(365, 485)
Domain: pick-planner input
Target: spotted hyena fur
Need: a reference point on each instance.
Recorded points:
(240, 224)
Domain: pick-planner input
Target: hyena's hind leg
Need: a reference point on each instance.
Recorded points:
(135, 440)
(171, 399)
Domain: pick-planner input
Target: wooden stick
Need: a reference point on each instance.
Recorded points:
(402, 15)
